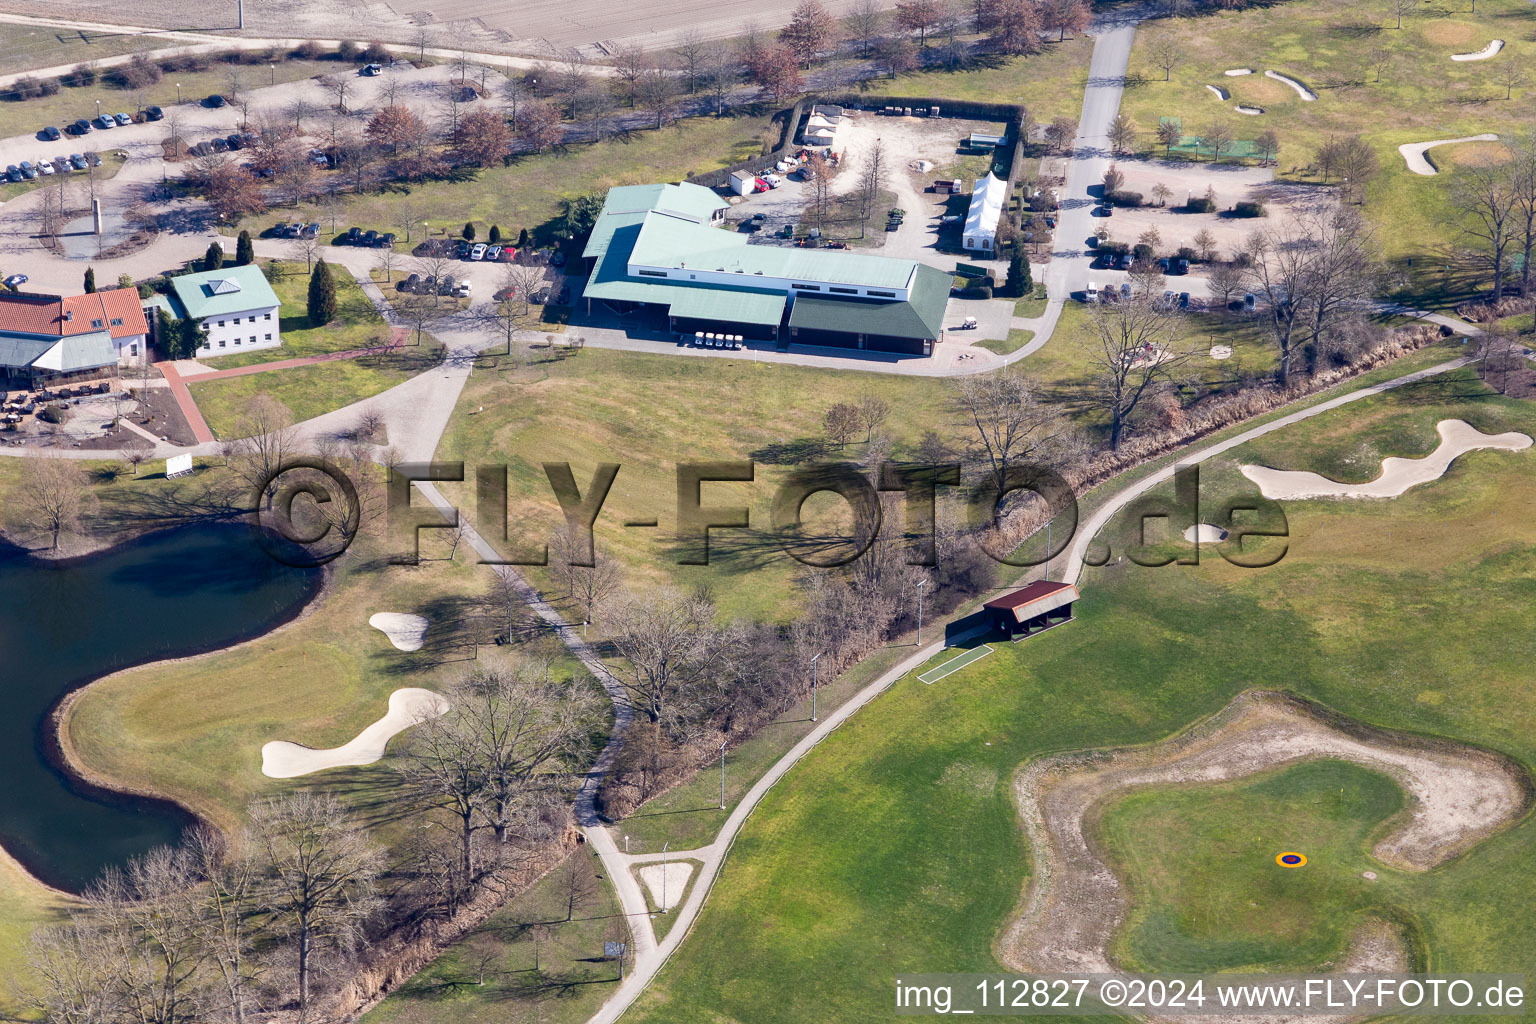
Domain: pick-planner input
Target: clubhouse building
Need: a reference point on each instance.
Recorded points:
(660, 247)
(56, 339)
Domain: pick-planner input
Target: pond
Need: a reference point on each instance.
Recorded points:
(168, 594)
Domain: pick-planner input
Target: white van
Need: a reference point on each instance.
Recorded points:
(1091, 293)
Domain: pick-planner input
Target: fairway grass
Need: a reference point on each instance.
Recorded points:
(894, 846)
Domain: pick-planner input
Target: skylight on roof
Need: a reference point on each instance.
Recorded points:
(223, 286)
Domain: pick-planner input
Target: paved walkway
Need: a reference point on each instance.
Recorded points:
(188, 407)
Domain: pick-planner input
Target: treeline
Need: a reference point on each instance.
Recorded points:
(141, 71)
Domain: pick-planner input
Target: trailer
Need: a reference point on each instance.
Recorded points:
(982, 140)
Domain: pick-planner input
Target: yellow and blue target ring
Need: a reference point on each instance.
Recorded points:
(1291, 859)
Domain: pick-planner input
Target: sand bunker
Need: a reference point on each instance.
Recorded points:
(1250, 111)
(407, 707)
(677, 874)
(1397, 475)
(1483, 54)
(407, 632)
(1074, 904)
(1221, 93)
(1205, 533)
(1418, 160)
(1306, 94)
(1238, 71)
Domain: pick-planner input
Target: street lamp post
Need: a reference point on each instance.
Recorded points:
(813, 685)
(273, 69)
(178, 94)
(722, 776)
(98, 108)
(920, 585)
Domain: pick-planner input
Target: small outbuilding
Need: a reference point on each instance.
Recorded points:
(1028, 610)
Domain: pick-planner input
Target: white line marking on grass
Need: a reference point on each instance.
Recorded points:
(970, 657)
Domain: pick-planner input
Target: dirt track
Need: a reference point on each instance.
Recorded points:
(1075, 904)
(535, 27)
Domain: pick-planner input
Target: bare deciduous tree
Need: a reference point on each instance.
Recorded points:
(1131, 355)
(52, 495)
(320, 878)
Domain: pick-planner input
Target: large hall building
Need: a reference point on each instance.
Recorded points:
(662, 247)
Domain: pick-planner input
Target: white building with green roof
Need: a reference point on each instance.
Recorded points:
(660, 246)
(238, 309)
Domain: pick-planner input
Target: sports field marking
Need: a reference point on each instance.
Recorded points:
(975, 654)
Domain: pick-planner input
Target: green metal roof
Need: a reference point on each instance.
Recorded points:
(78, 352)
(226, 290)
(16, 351)
(920, 317)
(628, 204)
(679, 244)
(729, 304)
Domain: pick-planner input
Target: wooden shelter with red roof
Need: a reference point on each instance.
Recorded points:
(1028, 610)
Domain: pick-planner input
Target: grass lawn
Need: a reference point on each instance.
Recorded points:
(1050, 83)
(67, 104)
(1016, 340)
(25, 905)
(357, 323)
(895, 846)
(308, 391)
(527, 193)
(1221, 902)
(1422, 95)
(24, 47)
(583, 409)
(489, 976)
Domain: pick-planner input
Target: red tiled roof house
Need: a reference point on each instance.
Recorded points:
(50, 338)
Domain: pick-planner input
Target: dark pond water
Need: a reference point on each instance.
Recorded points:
(171, 593)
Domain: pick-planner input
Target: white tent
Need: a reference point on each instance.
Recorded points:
(987, 201)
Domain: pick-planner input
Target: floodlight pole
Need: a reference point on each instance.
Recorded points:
(240, 7)
(1047, 551)
(920, 585)
(813, 686)
(722, 775)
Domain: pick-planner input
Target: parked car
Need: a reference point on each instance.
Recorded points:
(1250, 302)
(44, 167)
(369, 70)
(1125, 261)
(1169, 299)
(235, 141)
(16, 280)
(558, 259)
(478, 252)
(122, 119)
(220, 145)
(94, 158)
(446, 285)
(410, 284)
(1183, 300)
(215, 101)
(493, 253)
(13, 173)
(77, 162)
(1182, 266)
(104, 121)
(310, 230)
(508, 254)
(62, 165)
(318, 157)
(80, 127)
(385, 240)
(153, 113)
(354, 235)
(1106, 210)
(1125, 290)
(50, 134)
(27, 170)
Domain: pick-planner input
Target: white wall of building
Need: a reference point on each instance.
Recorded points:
(763, 282)
(241, 332)
(132, 350)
